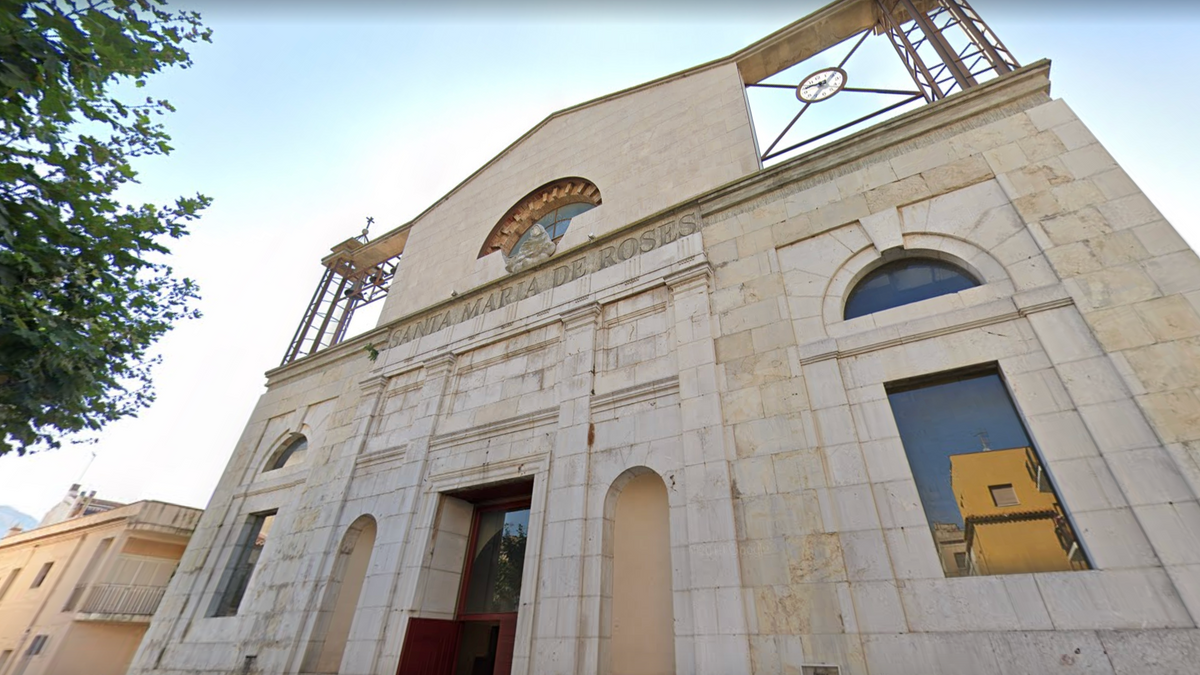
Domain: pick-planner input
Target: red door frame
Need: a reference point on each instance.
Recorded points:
(507, 620)
(439, 658)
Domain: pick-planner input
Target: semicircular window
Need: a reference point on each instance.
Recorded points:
(556, 222)
(904, 282)
(291, 455)
(552, 206)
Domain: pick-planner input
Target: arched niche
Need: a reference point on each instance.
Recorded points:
(341, 599)
(640, 621)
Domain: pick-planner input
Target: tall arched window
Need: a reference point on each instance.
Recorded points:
(292, 454)
(906, 281)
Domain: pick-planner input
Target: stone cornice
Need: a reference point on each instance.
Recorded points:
(638, 393)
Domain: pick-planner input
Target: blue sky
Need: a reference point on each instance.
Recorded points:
(302, 122)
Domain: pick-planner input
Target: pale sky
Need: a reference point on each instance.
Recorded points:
(300, 123)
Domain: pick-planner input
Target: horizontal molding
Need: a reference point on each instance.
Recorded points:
(528, 421)
(638, 393)
(500, 358)
(636, 314)
(513, 467)
(384, 456)
(830, 348)
(404, 389)
(253, 490)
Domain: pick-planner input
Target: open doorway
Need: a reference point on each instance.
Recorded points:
(481, 638)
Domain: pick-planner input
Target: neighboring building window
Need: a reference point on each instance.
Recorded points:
(88, 572)
(41, 575)
(291, 455)
(12, 576)
(980, 480)
(243, 562)
(1003, 495)
(904, 282)
(36, 646)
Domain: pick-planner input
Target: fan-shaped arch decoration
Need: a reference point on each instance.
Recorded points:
(539, 203)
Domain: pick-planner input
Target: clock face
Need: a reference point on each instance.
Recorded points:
(821, 85)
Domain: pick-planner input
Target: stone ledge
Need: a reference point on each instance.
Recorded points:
(978, 316)
(481, 432)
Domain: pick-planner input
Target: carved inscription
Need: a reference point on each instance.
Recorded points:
(594, 260)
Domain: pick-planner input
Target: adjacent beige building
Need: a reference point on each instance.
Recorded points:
(657, 391)
(77, 592)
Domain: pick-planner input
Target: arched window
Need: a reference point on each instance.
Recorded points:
(906, 281)
(556, 222)
(552, 206)
(291, 455)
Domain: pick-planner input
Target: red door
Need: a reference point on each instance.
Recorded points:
(430, 647)
(505, 645)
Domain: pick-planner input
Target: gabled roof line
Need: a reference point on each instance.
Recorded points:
(750, 50)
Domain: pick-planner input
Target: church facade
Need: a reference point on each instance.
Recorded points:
(920, 400)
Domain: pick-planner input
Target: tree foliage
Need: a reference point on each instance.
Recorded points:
(84, 291)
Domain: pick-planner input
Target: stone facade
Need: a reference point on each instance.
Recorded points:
(692, 327)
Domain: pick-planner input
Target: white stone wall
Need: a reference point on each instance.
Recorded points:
(720, 362)
(834, 543)
(645, 150)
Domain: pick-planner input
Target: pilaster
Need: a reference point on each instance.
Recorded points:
(407, 529)
(366, 410)
(704, 554)
(563, 639)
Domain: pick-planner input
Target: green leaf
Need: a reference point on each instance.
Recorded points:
(80, 302)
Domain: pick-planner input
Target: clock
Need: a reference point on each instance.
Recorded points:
(821, 85)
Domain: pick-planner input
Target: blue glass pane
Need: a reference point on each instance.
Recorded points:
(558, 229)
(904, 282)
(571, 210)
(963, 416)
(556, 222)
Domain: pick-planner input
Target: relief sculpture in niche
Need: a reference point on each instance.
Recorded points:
(536, 248)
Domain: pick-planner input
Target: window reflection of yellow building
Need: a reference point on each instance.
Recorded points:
(1013, 521)
(952, 548)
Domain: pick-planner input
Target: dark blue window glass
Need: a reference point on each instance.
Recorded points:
(906, 281)
(984, 489)
(967, 415)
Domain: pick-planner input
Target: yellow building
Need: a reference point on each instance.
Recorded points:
(77, 592)
(1013, 521)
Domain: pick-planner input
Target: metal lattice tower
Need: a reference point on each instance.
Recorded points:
(358, 272)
